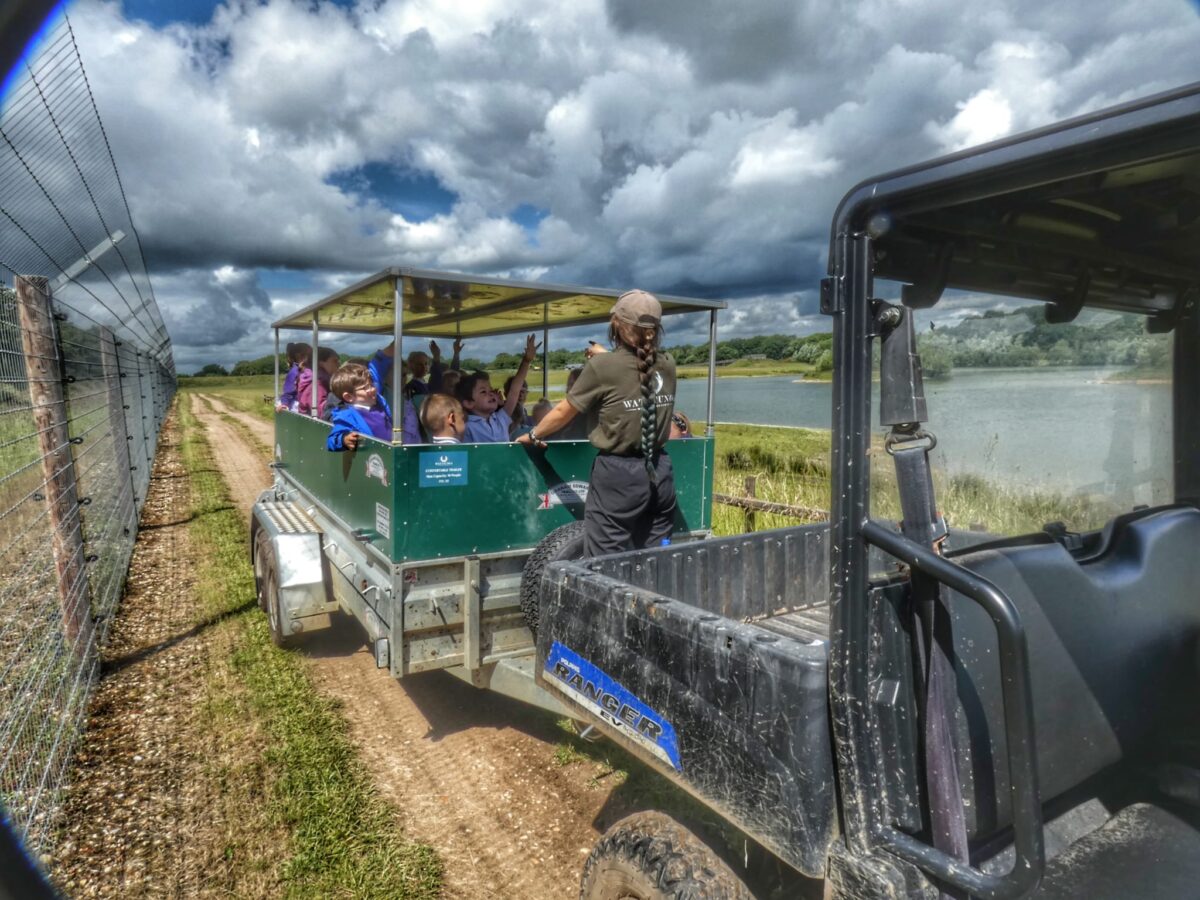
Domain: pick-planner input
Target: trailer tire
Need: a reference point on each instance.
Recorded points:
(650, 856)
(270, 596)
(564, 542)
(262, 559)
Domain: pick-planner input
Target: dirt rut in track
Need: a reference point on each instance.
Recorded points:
(472, 773)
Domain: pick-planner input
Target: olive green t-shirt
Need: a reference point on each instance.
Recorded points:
(609, 392)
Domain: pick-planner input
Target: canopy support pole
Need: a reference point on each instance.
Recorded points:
(712, 369)
(397, 367)
(313, 363)
(276, 403)
(545, 350)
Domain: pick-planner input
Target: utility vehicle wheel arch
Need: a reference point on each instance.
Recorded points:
(564, 542)
(650, 856)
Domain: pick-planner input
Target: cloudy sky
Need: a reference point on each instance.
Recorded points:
(276, 151)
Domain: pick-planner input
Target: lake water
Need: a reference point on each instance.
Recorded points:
(1061, 428)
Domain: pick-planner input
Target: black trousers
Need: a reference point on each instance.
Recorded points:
(625, 510)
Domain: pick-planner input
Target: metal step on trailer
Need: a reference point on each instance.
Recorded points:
(285, 516)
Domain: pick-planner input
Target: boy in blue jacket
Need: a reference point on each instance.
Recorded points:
(363, 409)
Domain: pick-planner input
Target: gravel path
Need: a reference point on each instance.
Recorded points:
(472, 773)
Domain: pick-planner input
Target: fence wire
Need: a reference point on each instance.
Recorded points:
(86, 377)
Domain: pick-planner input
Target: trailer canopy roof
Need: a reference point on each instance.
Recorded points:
(444, 304)
(1102, 210)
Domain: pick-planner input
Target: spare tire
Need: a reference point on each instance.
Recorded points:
(564, 542)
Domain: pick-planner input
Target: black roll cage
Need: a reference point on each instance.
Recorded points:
(1062, 214)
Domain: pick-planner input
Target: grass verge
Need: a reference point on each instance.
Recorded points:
(343, 840)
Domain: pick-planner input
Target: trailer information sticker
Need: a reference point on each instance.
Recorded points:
(383, 521)
(443, 469)
(570, 673)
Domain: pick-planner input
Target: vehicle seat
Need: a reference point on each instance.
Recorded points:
(1112, 648)
(1143, 851)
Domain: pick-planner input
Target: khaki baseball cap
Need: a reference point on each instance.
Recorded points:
(638, 308)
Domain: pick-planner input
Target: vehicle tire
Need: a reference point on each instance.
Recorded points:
(263, 559)
(650, 856)
(274, 611)
(564, 542)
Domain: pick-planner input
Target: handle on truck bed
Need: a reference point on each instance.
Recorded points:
(1018, 723)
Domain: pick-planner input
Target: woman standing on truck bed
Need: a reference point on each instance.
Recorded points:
(628, 397)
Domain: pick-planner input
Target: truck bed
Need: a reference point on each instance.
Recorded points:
(709, 661)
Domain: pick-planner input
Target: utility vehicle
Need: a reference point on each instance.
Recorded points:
(426, 545)
(906, 709)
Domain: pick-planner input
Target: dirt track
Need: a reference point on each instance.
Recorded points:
(473, 774)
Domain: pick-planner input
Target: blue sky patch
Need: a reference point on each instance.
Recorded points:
(415, 195)
(530, 217)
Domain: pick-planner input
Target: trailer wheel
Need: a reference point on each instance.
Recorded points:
(270, 597)
(262, 561)
(650, 856)
(564, 542)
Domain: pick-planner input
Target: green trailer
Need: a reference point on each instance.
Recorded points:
(428, 546)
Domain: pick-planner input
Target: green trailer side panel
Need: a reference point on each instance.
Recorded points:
(358, 488)
(455, 500)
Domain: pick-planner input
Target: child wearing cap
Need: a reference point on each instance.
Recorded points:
(627, 396)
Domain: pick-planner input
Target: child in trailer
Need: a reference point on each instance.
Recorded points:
(440, 378)
(418, 367)
(520, 414)
(327, 364)
(443, 419)
(299, 355)
(363, 408)
(488, 419)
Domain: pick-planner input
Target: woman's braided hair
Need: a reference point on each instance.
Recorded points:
(643, 341)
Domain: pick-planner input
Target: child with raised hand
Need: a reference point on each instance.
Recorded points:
(487, 420)
(444, 419)
(439, 378)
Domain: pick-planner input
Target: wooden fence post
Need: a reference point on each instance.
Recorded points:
(749, 514)
(43, 368)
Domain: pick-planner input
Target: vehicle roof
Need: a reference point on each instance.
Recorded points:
(445, 304)
(1102, 210)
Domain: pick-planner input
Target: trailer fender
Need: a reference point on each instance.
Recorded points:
(293, 542)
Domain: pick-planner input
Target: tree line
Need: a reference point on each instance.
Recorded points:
(814, 349)
(1023, 338)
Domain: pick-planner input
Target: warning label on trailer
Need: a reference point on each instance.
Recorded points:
(565, 493)
(588, 686)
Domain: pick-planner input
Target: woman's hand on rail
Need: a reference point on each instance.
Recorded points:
(529, 442)
(351, 440)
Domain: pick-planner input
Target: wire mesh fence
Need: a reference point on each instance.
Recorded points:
(86, 377)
